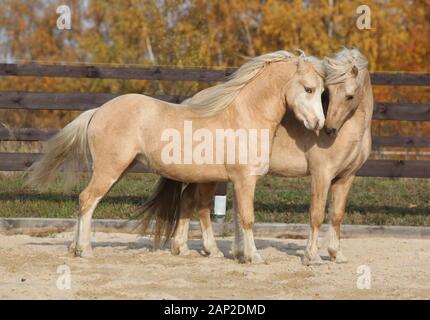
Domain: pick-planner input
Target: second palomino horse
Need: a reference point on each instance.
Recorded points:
(135, 127)
(331, 158)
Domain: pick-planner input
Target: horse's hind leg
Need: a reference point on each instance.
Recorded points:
(196, 196)
(338, 196)
(179, 244)
(206, 193)
(101, 181)
(88, 200)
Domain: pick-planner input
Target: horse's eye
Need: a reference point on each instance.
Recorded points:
(349, 97)
(308, 90)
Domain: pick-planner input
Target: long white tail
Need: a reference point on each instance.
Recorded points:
(67, 150)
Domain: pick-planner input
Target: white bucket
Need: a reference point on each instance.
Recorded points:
(220, 205)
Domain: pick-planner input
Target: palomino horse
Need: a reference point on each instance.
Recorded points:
(134, 127)
(331, 158)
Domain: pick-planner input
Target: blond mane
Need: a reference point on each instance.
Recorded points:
(339, 66)
(217, 98)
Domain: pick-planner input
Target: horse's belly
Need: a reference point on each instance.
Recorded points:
(289, 172)
(196, 173)
(295, 165)
(191, 173)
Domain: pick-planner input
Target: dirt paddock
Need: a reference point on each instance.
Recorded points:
(124, 267)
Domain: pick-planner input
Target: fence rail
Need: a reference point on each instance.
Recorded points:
(372, 168)
(175, 74)
(130, 72)
(33, 134)
(85, 101)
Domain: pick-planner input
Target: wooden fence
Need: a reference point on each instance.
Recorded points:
(84, 101)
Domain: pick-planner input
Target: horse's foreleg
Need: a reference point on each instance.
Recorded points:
(244, 189)
(206, 193)
(188, 202)
(338, 196)
(320, 185)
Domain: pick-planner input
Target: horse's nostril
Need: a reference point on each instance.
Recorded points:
(330, 131)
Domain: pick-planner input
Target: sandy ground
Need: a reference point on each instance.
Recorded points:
(124, 267)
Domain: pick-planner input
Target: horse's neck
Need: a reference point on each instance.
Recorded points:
(261, 101)
(366, 105)
(362, 117)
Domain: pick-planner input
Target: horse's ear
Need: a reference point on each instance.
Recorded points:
(354, 71)
(300, 65)
(327, 60)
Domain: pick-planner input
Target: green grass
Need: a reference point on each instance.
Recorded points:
(376, 201)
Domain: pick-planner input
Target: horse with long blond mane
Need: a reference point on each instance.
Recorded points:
(132, 128)
(331, 158)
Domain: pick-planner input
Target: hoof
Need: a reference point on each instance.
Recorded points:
(72, 247)
(83, 252)
(80, 251)
(255, 258)
(311, 261)
(214, 253)
(180, 250)
(238, 255)
(237, 251)
(338, 258)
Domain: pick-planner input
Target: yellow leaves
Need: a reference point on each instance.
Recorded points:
(218, 33)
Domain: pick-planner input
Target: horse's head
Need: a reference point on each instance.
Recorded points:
(344, 81)
(303, 92)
